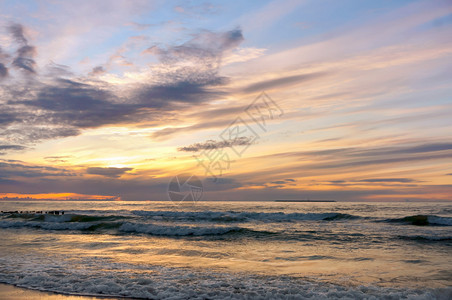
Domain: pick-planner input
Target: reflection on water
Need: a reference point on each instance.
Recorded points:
(346, 244)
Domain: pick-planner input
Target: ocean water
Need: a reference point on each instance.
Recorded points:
(230, 250)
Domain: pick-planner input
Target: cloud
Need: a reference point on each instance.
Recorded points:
(81, 105)
(61, 158)
(279, 183)
(206, 48)
(282, 81)
(3, 71)
(160, 96)
(212, 144)
(30, 133)
(7, 118)
(54, 70)
(61, 104)
(378, 180)
(108, 172)
(339, 161)
(17, 31)
(166, 132)
(13, 169)
(25, 54)
(11, 147)
(99, 70)
(24, 59)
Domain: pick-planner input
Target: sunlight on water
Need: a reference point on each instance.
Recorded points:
(345, 244)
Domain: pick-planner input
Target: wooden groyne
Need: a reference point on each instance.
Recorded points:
(34, 212)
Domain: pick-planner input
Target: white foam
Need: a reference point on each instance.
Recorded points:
(101, 277)
(435, 220)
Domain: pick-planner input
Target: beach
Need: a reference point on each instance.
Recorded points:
(11, 292)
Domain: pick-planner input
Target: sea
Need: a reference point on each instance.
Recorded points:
(229, 250)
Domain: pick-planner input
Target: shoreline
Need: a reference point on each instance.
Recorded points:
(12, 292)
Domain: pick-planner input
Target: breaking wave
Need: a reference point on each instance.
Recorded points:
(423, 220)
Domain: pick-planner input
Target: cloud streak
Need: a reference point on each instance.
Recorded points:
(212, 144)
(108, 172)
(24, 59)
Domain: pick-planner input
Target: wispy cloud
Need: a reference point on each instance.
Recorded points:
(212, 144)
(270, 84)
(13, 169)
(108, 172)
(397, 180)
(25, 53)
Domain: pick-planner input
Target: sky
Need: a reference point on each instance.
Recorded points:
(262, 100)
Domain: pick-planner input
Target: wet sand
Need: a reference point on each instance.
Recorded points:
(11, 292)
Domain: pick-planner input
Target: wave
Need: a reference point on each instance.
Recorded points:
(64, 218)
(163, 230)
(423, 220)
(426, 238)
(231, 216)
(117, 223)
(159, 282)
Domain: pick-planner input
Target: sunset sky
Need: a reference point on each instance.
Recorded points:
(103, 99)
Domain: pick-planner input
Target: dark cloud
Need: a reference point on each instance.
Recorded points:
(7, 118)
(11, 147)
(212, 144)
(78, 105)
(17, 32)
(60, 106)
(191, 69)
(24, 59)
(195, 63)
(378, 180)
(207, 47)
(25, 54)
(99, 70)
(159, 96)
(280, 183)
(3, 71)
(31, 134)
(337, 181)
(450, 174)
(128, 189)
(10, 169)
(108, 172)
(283, 81)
